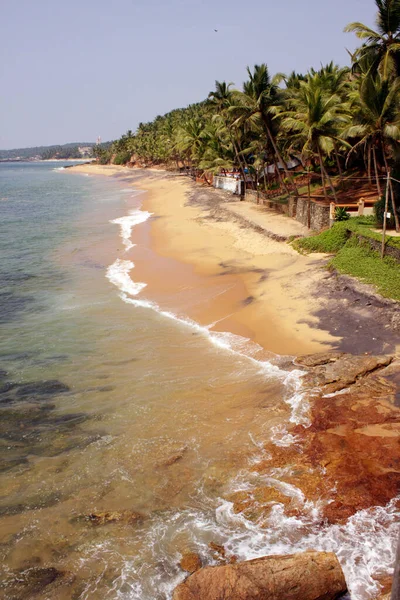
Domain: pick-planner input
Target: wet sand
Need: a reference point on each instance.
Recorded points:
(270, 301)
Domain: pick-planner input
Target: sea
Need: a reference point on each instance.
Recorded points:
(125, 424)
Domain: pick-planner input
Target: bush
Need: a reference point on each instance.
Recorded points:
(122, 158)
(379, 209)
(341, 214)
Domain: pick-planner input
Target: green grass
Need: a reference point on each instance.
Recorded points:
(360, 261)
(355, 257)
(331, 240)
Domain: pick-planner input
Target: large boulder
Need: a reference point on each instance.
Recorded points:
(306, 576)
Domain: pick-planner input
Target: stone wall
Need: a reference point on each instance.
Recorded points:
(319, 214)
(377, 245)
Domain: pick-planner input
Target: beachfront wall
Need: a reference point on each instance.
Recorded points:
(319, 214)
(230, 184)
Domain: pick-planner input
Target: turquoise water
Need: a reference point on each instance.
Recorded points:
(112, 401)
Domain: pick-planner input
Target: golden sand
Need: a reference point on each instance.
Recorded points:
(275, 304)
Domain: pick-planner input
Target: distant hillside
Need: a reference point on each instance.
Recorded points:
(63, 151)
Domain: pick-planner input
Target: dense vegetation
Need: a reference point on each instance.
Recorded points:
(332, 119)
(64, 151)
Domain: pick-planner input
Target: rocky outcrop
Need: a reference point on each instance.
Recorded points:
(306, 576)
(348, 458)
(338, 371)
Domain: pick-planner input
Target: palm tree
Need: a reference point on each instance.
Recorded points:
(381, 50)
(255, 107)
(377, 121)
(313, 120)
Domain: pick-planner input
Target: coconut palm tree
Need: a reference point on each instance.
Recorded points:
(255, 107)
(313, 120)
(377, 121)
(221, 100)
(381, 49)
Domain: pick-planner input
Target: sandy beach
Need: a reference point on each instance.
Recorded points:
(286, 302)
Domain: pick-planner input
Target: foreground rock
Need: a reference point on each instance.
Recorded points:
(306, 576)
(348, 458)
(190, 562)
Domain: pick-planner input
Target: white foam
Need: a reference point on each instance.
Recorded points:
(128, 222)
(365, 545)
(118, 274)
(227, 341)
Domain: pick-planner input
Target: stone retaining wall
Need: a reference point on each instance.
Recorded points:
(377, 245)
(319, 214)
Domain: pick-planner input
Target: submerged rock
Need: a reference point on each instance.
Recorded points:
(33, 582)
(190, 562)
(37, 389)
(306, 576)
(125, 516)
(173, 458)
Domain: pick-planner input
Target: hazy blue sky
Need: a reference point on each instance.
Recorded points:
(73, 70)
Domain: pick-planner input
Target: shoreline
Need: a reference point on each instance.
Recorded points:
(289, 303)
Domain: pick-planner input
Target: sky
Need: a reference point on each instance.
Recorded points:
(76, 70)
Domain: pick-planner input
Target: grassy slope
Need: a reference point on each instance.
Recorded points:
(355, 258)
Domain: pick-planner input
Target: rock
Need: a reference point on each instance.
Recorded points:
(348, 458)
(190, 562)
(338, 373)
(125, 516)
(306, 576)
(314, 360)
(257, 502)
(173, 458)
(36, 389)
(385, 582)
(218, 551)
(30, 583)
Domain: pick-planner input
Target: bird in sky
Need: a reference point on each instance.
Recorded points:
(216, 30)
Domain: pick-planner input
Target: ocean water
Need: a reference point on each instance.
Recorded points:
(113, 400)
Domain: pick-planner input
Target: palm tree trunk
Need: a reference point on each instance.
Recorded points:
(326, 174)
(369, 164)
(236, 152)
(279, 156)
(309, 200)
(384, 214)
(396, 218)
(338, 162)
(283, 184)
(378, 185)
(322, 174)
